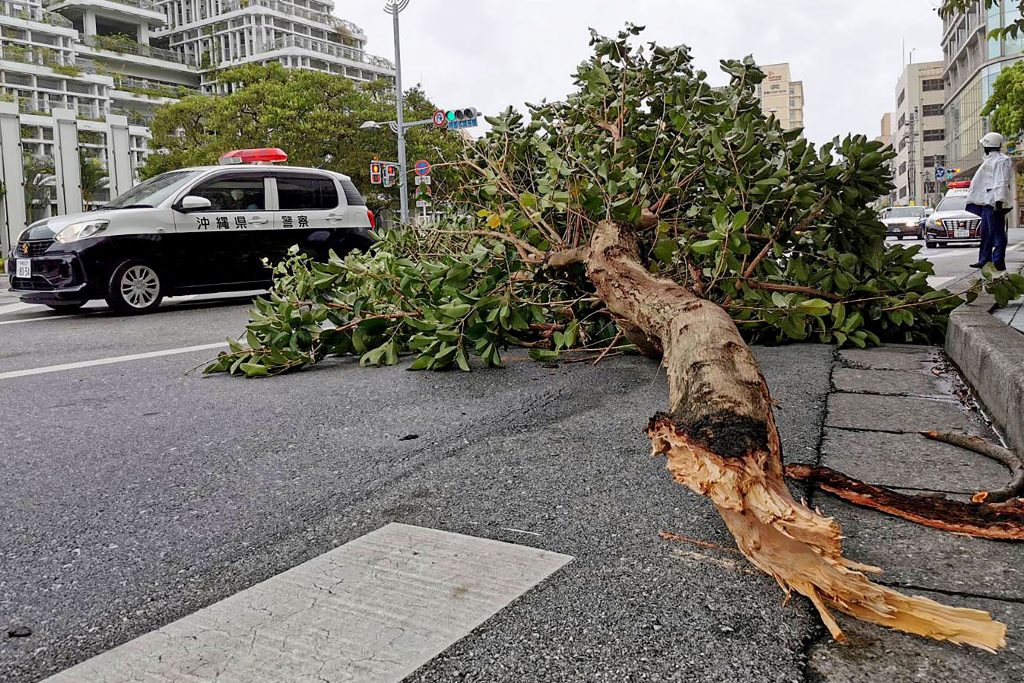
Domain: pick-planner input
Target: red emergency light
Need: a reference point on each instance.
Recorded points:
(263, 155)
(958, 184)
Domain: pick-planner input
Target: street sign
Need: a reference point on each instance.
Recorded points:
(422, 203)
(440, 118)
(422, 167)
(423, 180)
(940, 173)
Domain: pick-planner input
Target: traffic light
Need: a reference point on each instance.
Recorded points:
(457, 118)
(376, 173)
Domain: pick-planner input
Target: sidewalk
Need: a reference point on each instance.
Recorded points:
(881, 399)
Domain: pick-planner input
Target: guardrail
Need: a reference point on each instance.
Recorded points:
(141, 4)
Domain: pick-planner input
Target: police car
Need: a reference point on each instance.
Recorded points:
(189, 231)
(951, 221)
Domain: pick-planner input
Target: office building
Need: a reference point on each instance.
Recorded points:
(972, 63)
(919, 134)
(781, 96)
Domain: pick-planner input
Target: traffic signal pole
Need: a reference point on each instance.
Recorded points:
(395, 7)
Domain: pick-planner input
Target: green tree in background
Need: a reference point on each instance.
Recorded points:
(38, 173)
(313, 116)
(1005, 108)
(93, 177)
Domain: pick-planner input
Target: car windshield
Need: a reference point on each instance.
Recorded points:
(952, 204)
(905, 212)
(154, 191)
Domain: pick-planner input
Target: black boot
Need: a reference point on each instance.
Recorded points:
(1000, 265)
(979, 264)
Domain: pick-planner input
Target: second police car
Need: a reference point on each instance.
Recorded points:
(951, 221)
(189, 231)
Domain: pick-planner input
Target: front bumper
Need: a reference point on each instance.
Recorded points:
(56, 278)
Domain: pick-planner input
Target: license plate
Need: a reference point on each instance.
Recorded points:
(961, 232)
(23, 268)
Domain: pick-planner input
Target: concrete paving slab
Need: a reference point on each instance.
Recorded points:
(889, 382)
(914, 555)
(910, 461)
(876, 654)
(891, 357)
(375, 609)
(896, 414)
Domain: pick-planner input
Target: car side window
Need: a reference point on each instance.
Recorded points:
(306, 193)
(233, 193)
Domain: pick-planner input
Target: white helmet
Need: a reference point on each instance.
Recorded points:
(992, 140)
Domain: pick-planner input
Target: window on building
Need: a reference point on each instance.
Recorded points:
(903, 96)
(934, 135)
(901, 122)
(929, 162)
(931, 110)
(903, 144)
(932, 84)
(903, 168)
(903, 192)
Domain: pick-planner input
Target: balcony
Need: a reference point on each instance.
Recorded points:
(147, 5)
(123, 45)
(22, 10)
(323, 48)
(147, 88)
(341, 25)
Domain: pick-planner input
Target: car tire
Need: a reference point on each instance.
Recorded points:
(66, 307)
(135, 287)
(931, 245)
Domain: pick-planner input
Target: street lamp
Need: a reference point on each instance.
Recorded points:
(394, 8)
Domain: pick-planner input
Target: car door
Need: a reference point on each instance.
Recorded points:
(219, 242)
(310, 210)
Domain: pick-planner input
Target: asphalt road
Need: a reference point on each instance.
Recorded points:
(954, 261)
(135, 492)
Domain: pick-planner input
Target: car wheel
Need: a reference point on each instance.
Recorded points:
(66, 307)
(135, 287)
(931, 245)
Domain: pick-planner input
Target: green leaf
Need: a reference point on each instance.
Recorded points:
(705, 246)
(815, 307)
(254, 370)
(422, 362)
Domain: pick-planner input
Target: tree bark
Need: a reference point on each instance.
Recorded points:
(721, 441)
(997, 521)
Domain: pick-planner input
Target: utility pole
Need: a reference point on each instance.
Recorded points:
(394, 8)
(911, 157)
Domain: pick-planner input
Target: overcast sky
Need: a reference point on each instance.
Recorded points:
(493, 53)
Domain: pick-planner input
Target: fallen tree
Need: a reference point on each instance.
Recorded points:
(652, 207)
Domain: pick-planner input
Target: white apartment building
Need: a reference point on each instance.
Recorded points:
(919, 134)
(781, 96)
(105, 65)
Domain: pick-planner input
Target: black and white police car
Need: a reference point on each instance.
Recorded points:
(189, 231)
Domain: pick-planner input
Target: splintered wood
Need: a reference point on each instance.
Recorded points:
(720, 440)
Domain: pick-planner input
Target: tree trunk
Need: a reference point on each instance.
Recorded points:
(721, 441)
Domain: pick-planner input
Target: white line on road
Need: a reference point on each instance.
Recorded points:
(108, 361)
(14, 308)
(375, 609)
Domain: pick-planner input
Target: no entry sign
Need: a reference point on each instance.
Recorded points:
(422, 167)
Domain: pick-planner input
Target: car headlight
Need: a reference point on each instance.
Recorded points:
(80, 231)
(910, 224)
(937, 222)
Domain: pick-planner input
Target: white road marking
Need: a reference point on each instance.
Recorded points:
(375, 609)
(37, 320)
(939, 281)
(108, 361)
(947, 254)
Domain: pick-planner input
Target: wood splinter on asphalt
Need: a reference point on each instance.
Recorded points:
(721, 441)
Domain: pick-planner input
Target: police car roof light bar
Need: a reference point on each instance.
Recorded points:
(957, 184)
(263, 155)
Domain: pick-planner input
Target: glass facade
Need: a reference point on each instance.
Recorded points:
(973, 62)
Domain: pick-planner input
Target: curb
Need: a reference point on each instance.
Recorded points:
(990, 354)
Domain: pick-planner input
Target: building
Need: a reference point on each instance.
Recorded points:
(782, 96)
(972, 62)
(885, 128)
(83, 78)
(919, 134)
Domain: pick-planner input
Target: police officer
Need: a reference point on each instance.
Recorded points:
(989, 197)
